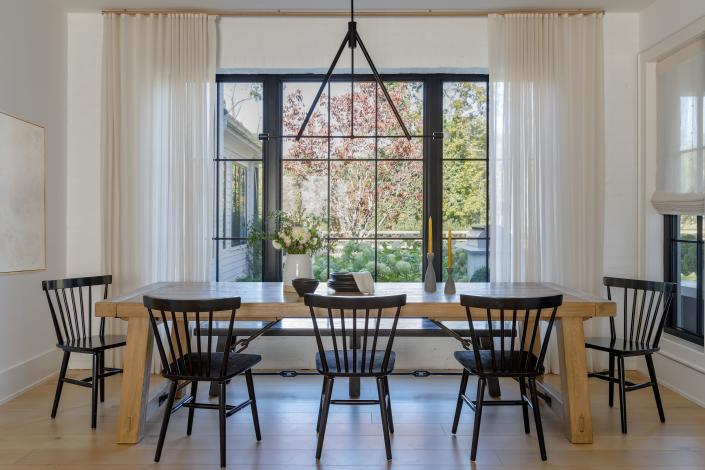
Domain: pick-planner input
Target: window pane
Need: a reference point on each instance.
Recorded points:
(304, 149)
(240, 262)
(341, 112)
(240, 199)
(297, 99)
(465, 197)
(352, 255)
(241, 120)
(469, 260)
(399, 260)
(408, 99)
(305, 187)
(687, 301)
(400, 147)
(347, 149)
(400, 199)
(352, 192)
(464, 120)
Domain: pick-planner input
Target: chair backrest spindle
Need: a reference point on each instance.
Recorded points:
(522, 332)
(71, 315)
(183, 326)
(357, 355)
(642, 324)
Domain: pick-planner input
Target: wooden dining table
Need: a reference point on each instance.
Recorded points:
(267, 301)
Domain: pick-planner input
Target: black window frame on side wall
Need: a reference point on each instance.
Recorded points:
(672, 239)
(272, 162)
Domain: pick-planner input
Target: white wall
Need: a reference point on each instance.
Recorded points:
(33, 86)
(665, 17)
(396, 44)
(665, 24)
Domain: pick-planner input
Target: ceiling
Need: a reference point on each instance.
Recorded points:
(608, 5)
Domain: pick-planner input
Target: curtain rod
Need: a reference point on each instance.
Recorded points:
(369, 13)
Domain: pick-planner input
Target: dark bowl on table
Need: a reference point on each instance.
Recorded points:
(304, 285)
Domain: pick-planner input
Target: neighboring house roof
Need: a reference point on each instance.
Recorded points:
(238, 141)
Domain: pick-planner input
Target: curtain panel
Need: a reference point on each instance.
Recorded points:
(158, 110)
(547, 150)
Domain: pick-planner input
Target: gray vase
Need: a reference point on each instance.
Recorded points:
(429, 284)
(449, 288)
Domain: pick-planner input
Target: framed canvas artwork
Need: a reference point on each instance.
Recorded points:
(22, 204)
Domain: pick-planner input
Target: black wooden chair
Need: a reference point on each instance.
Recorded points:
(193, 359)
(642, 328)
(72, 315)
(511, 355)
(357, 317)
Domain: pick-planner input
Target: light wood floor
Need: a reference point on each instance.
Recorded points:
(423, 409)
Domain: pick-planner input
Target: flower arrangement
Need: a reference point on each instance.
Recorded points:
(298, 233)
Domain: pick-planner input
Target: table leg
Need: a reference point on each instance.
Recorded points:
(574, 380)
(135, 381)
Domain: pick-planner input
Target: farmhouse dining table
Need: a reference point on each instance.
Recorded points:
(267, 301)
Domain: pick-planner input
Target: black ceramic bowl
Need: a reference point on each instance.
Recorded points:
(304, 285)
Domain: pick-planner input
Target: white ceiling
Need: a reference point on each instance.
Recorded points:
(608, 5)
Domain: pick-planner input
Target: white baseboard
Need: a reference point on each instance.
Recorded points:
(684, 379)
(28, 374)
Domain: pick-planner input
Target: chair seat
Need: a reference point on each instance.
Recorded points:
(93, 344)
(620, 346)
(354, 368)
(194, 366)
(518, 363)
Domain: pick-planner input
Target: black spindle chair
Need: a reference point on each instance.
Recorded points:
(193, 359)
(644, 315)
(509, 354)
(71, 307)
(353, 323)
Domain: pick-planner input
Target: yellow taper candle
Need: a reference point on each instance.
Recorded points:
(450, 249)
(430, 234)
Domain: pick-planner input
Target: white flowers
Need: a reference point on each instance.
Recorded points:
(298, 234)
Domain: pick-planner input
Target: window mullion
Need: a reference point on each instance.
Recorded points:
(272, 181)
(433, 175)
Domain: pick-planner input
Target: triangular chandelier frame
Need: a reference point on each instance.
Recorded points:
(351, 40)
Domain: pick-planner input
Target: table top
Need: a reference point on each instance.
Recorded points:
(268, 301)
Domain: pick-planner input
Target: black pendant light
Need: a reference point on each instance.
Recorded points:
(352, 40)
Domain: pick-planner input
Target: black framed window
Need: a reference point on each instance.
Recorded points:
(684, 265)
(353, 168)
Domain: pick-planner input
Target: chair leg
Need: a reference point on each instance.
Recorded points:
(611, 372)
(622, 393)
(253, 404)
(191, 411)
(94, 391)
(383, 412)
(388, 401)
(60, 383)
(219, 347)
(524, 406)
(221, 415)
(324, 415)
(102, 381)
(320, 405)
(459, 404)
(478, 417)
(654, 385)
(537, 417)
(165, 420)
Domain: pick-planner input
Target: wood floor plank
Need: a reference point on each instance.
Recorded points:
(30, 440)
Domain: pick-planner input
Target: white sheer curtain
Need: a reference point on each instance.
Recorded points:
(547, 150)
(157, 147)
(680, 88)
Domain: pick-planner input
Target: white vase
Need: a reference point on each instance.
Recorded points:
(296, 266)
